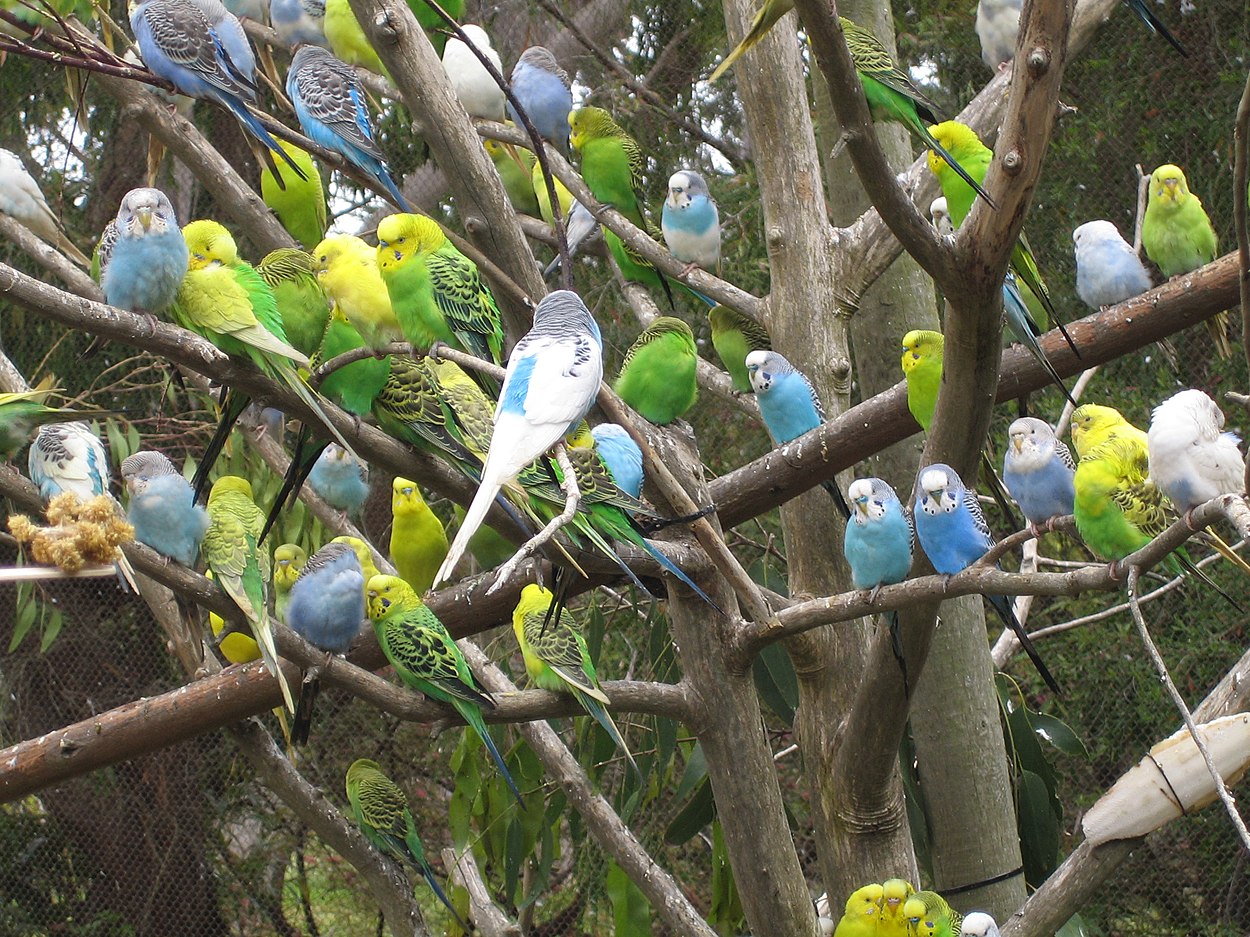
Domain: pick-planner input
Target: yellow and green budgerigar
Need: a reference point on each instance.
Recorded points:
(236, 647)
(1177, 236)
(556, 657)
(418, 541)
(382, 813)
(658, 374)
(226, 300)
(1093, 424)
(436, 291)
(425, 657)
(863, 911)
(734, 336)
(288, 562)
(300, 204)
(302, 302)
(612, 167)
(515, 174)
(963, 144)
(347, 40)
(232, 550)
(939, 919)
(347, 269)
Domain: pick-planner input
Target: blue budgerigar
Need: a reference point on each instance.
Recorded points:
(545, 93)
(326, 609)
(162, 507)
(621, 455)
(1108, 270)
(1038, 470)
(299, 21)
(788, 404)
(68, 457)
(340, 479)
(878, 540)
(329, 102)
(1025, 330)
(691, 223)
(143, 267)
(552, 378)
(953, 533)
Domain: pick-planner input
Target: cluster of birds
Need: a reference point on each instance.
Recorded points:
(894, 908)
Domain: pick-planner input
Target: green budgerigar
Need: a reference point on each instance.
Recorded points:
(939, 919)
(382, 813)
(302, 303)
(556, 657)
(240, 565)
(24, 412)
(1177, 236)
(658, 374)
(300, 204)
(425, 657)
(734, 336)
(436, 291)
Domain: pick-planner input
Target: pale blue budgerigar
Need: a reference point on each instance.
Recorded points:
(1191, 459)
(953, 533)
(329, 102)
(326, 609)
(545, 94)
(1025, 330)
(178, 42)
(1038, 470)
(691, 223)
(299, 21)
(621, 455)
(143, 268)
(340, 479)
(162, 507)
(878, 540)
(1108, 270)
(788, 404)
(552, 378)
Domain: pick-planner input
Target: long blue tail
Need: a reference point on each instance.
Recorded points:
(671, 567)
(428, 874)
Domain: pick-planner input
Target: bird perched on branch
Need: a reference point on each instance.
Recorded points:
(734, 336)
(658, 374)
(691, 223)
(879, 538)
(162, 507)
(147, 259)
(1108, 270)
(1191, 459)
(545, 93)
(299, 203)
(23, 200)
(479, 93)
(418, 542)
(1038, 470)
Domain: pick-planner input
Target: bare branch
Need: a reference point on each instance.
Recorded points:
(487, 916)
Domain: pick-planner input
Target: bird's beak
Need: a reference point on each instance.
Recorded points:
(145, 217)
(1170, 186)
(861, 506)
(1017, 442)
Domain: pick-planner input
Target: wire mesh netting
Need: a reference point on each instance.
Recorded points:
(188, 840)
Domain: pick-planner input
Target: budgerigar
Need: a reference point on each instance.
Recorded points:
(347, 40)
(997, 24)
(299, 21)
(894, 895)
(326, 609)
(516, 175)
(1038, 470)
(940, 215)
(178, 42)
(302, 303)
(418, 542)
(1177, 236)
(789, 405)
(690, 222)
(1026, 331)
(552, 378)
(425, 658)
(478, 92)
(162, 507)
(23, 412)
(23, 200)
(878, 539)
(68, 456)
(734, 336)
(962, 143)
(363, 554)
(978, 924)
(382, 813)
(225, 300)
(240, 565)
(145, 266)
(621, 455)
(953, 533)
(863, 911)
(347, 268)
(436, 292)
(340, 479)
(940, 919)
(1093, 424)
(545, 93)
(1108, 270)
(329, 102)
(612, 166)
(288, 563)
(658, 374)
(1191, 459)
(300, 204)
(556, 657)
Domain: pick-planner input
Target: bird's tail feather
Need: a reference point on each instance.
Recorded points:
(233, 403)
(302, 723)
(263, 633)
(998, 491)
(1002, 605)
(302, 461)
(428, 874)
(291, 378)
(1224, 550)
(672, 568)
(473, 518)
(1187, 564)
(473, 716)
(604, 718)
(836, 494)
(257, 129)
(1155, 25)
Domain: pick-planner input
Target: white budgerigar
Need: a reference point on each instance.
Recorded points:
(1108, 270)
(940, 215)
(552, 378)
(998, 23)
(978, 924)
(477, 90)
(22, 199)
(1191, 459)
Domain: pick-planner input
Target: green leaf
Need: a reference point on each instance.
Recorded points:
(696, 771)
(1059, 734)
(630, 910)
(776, 682)
(1074, 926)
(1039, 829)
(726, 913)
(699, 811)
